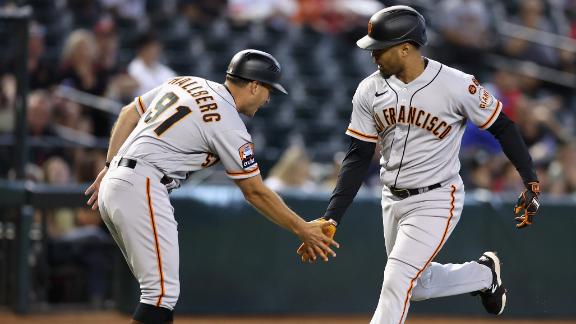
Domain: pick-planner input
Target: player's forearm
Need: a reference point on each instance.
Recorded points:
(273, 207)
(514, 147)
(127, 121)
(354, 169)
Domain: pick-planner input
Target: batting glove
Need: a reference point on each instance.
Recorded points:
(330, 231)
(527, 205)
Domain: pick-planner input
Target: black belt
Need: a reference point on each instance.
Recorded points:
(405, 193)
(130, 163)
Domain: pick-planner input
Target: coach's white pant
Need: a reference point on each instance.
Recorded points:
(136, 209)
(415, 229)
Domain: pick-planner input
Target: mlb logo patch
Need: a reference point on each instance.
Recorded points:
(246, 152)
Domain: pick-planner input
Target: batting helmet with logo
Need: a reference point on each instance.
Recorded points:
(392, 26)
(251, 64)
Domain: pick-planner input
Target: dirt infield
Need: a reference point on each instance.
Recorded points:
(114, 318)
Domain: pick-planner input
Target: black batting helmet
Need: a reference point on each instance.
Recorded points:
(392, 26)
(256, 65)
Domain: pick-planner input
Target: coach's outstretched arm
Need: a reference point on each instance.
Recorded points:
(353, 172)
(269, 204)
(515, 149)
(126, 122)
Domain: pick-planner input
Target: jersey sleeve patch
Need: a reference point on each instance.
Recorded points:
(246, 152)
(361, 136)
(486, 99)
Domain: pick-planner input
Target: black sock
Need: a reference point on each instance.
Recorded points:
(149, 314)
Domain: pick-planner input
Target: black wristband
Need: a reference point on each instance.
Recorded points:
(107, 164)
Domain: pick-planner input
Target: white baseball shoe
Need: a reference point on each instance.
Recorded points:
(494, 297)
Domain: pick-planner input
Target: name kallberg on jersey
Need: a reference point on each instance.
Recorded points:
(414, 116)
(196, 92)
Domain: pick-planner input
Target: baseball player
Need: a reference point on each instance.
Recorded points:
(184, 125)
(416, 109)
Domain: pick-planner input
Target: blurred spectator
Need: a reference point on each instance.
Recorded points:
(60, 221)
(572, 18)
(482, 169)
(57, 171)
(7, 118)
(146, 68)
(481, 177)
(505, 86)
(159, 12)
(540, 128)
(77, 239)
(202, 13)
(262, 10)
(41, 73)
(39, 114)
(41, 126)
(562, 172)
(107, 43)
(466, 30)
(545, 111)
(531, 15)
(79, 70)
(67, 113)
(85, 12)
(540, 140)
(568, 28)
(88, 246)
(355, 14)
(32, 173)
(335, 16)
(7, 102)
(508, 180)
(292, 171)
(133, 11)
(329, 182)
(121, 85)
(89, 165)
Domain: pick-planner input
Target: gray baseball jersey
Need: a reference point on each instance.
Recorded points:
(187, 124)
(419, 125)
(419, 128)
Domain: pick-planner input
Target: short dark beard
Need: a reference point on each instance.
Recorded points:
(389, 74)
(385, 76)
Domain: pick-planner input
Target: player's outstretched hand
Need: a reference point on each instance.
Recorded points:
(92, 191)
(527, 205)
(315, 240)
(329, 229)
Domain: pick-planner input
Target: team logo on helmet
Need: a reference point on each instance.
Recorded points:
(369, 27)
(246, 152)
